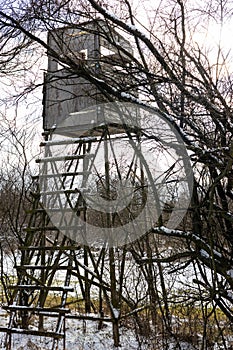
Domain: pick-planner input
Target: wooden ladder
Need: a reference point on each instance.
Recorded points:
(45, 253)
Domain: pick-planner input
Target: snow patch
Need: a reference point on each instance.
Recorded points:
(204, 254)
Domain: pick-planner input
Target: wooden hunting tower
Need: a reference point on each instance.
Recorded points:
(47, 249)
(95, 47)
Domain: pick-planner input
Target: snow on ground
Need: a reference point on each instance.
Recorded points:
(79, 336)
(82, 335)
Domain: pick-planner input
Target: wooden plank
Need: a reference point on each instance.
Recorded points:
(54, 210)
(68, 141)
(64, 158)
(90, 318)
(48, 228)
(36, 309)
(53, 228)
(47, 288)
(32, 332)
(53, 248)
(44, 267)
(63, 191)
(77, 173)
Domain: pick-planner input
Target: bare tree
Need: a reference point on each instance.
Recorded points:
(190, 85)
(15, 185)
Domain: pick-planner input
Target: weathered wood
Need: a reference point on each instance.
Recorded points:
(65, 95)
(52, 228)
(64, 158)
(43, 267)
(89, 318)
(78, 173)
(53, 248)
(68, 141)
(32, 332)
(35, 309)
(47, 288)
(63, 210)
(63, 191)
(42, 228)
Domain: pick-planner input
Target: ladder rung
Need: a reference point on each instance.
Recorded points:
(64, 158)
(65, 191)
(68, 141)
(47, 288)
(65, 174)
(44, 267)
(57, 210)
(61, 210)
(50, 248)
(35, 309)
(91, 318)
(50, 314)
(32, 332)
(49, 228)
(53, 228)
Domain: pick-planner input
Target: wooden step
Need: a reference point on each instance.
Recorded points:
(53, 228)
(32, 332)
(43, 267)
(78, 173)
(90, 318)
(65, 191)
(54, 210)
(47, 228)
(36, 309)
(64, 158)
(68, 141)
(50, 248)
(47, 288)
